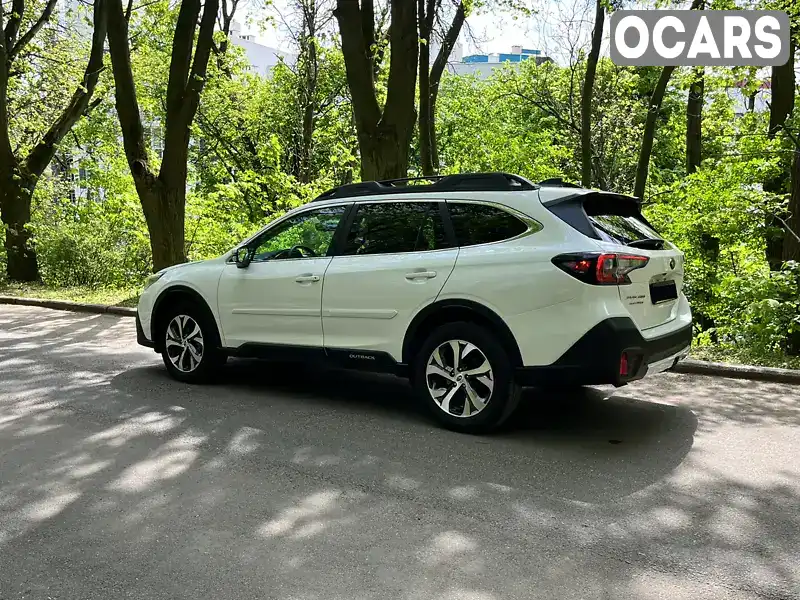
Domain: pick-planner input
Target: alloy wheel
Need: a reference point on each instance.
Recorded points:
(459, 378)
(184, 344)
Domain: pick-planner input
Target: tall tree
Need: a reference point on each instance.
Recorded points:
(782, 86)
(384, 134)
(430, 76)
(315, 15)
(648, 136)
(588, 92)
(791, 241)
(694, 120)
(163, 195)
(20, 174)
(653, 109)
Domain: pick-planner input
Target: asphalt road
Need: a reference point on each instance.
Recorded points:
(301, 483)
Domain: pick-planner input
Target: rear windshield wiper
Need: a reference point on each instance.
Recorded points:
(647, 244)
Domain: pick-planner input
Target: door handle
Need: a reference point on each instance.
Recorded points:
(420, 275)
(307, 278)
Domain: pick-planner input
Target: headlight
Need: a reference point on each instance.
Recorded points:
(152, 279)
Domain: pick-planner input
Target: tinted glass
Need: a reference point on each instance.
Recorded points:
(392, 227)
(309, 233)
(481, 224)
(622, 230)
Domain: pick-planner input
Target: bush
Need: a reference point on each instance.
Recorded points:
(716, 216)
(91, 243)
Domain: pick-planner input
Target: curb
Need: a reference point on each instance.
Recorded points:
(70, 306)
(771, 374)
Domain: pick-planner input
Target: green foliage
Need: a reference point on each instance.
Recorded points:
(88, 242)
(45, 74)
(481, 128)
(747, 305)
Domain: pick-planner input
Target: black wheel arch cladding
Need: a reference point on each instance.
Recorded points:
(173, 296)
(450, 311)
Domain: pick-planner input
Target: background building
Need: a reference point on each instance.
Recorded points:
(261, 58)
(482, 65)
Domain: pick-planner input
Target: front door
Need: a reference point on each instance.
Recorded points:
(277, 298)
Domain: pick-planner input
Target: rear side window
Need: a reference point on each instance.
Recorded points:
(395, 227)
(482, 224)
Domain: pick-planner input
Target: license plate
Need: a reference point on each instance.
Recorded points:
(663, 291)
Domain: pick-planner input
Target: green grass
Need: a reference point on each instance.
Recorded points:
(108, 296)
(744, 357)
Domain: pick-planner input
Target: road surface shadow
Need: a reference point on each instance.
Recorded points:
(312, 483)
(579, 446)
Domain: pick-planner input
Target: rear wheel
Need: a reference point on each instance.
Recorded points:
(465, 377)
(190, 344)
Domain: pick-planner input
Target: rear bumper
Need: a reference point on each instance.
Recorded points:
(140, 336)
(595, 358)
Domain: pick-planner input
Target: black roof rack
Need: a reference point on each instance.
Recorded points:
(558, 182)
(463, 182)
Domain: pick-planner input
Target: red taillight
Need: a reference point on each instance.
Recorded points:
(623, 365)
(600, 269)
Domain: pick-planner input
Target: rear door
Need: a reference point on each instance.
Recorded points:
(652, 296)
(395, 260)
(617, 225)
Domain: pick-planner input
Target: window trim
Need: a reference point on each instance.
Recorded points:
(533, 226)
(444, 214)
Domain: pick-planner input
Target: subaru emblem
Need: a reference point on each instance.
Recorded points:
(671, 263)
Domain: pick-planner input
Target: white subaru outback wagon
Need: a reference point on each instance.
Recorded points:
(472, 286)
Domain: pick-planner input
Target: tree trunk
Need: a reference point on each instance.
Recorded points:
(430, 80)
(18, 178)
(384, 154)
(163, 197)
(425, 15)
(694, 117)
(164, 211)
(586, 96)
(782, 85)
(709, 244)
(15, 209)
(791, 240)
(311, 71)
(384, 134)
(646, 149)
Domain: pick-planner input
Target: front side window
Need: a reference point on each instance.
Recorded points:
(395, 227)
(483, 224)
(306, 235)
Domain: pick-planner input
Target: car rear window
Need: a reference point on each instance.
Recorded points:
(606, 216)
(622, 230)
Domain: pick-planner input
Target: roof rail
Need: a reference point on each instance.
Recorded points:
(463, 182)
(558, 182)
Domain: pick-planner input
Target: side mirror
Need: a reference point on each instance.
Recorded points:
(242, 257)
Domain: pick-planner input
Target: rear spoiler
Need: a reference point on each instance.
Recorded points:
(576, 209)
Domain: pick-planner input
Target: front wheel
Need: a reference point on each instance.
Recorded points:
(190, 345)
(465, 377)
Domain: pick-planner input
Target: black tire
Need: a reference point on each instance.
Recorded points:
(211, 357)
(504, 396)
